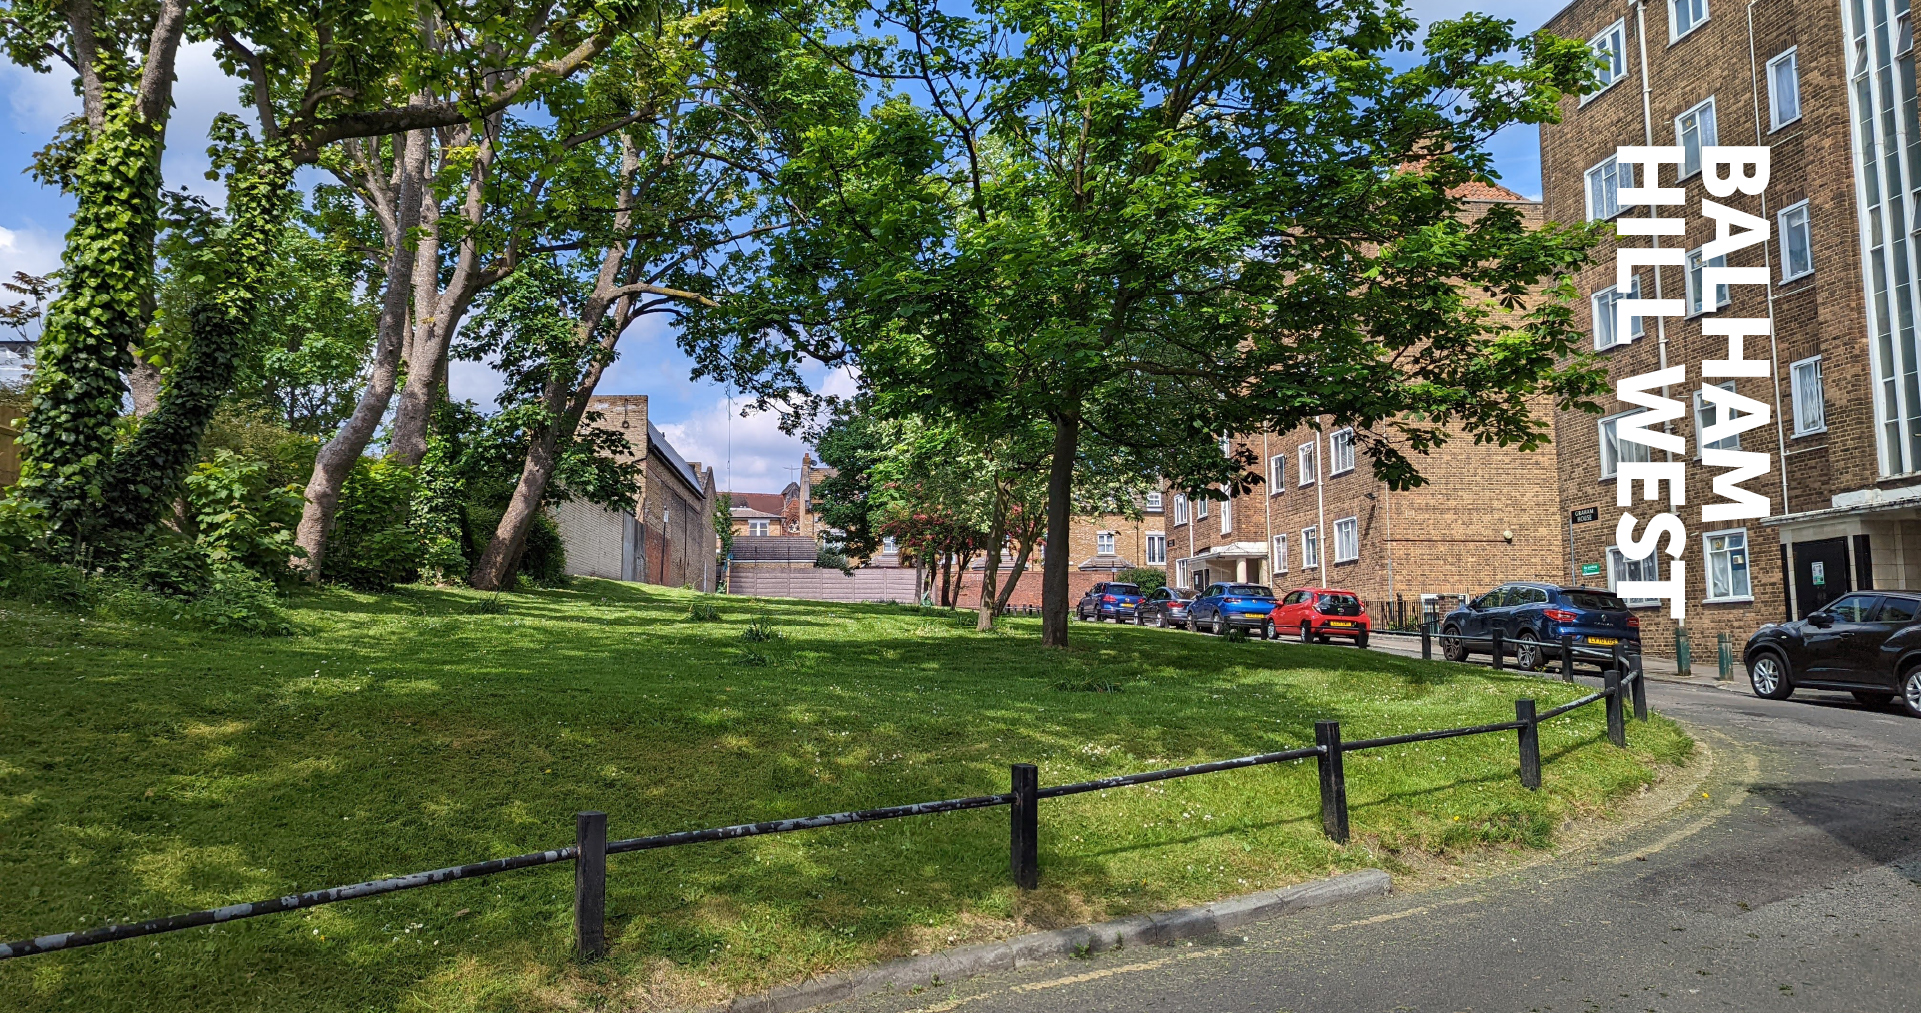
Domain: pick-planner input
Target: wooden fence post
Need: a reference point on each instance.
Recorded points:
(1024, 844)
(1530, 744)
(1617, 725)
(1427, 641)
(1327, 734)
(1567, 657)
(1499, 649)
(590, 885)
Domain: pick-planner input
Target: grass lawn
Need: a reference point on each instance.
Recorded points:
(147, 771)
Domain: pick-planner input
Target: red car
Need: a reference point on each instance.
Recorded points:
(1316, 613)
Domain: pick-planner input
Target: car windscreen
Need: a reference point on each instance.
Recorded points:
(1594, 600)
(1338, 605)
(1123, 589)
(1249, 591)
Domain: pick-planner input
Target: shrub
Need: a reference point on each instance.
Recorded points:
(760, 631)
(25, 578)
(166, 563)
(238, 518)
(1149, 579)
(543, 559)
(703, 612)
(490, 606)
(374, 546)
(828, 559)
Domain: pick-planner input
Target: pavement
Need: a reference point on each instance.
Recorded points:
(1782, 872)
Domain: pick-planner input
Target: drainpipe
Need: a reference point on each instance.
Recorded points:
(1267, 508)
(1767, 255)
(1320, 505)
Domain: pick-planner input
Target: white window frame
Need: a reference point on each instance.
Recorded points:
(888, 545)
(756, 529)
(1340, 451)
(1649, 569)
(1807, 237)
(1703, 408)
(1611, 41)
(1311, 547)
(1155, 546)
(1308, 471)
(1277, 474)
(1774, 93)
(1104, 543)
(1601, 304)
(1707, 566)
(1201, 508)
(1675, 34)
(1347, 539)
(1153, 505)
(1820, 420)
(1180, 509)
(1280, 553)
(1612, 170)
(1707, 138)
(1227, 515)
(1694, 270)
(1609, 430)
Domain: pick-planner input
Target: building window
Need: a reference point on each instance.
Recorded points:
(1607, 321)
(1707, 413)
(1695, 266)
(1280, 553)
(1227, 516)
(1622, 568)
(1200, 509)
(1277, 474)
(1309, 469)
(1340, 450)
(1347, 540)
(1797, 245)
(1604, 183)
(1727, 554)
(1153, 503)
(1310, 548)
(1810, 404)
(757, 528)
(1227, 446)
(1156, 549)
(1611, 46)
(1180, 509)
(1104, 543)
(1784, 89)
(1614, 450)
(1694, 130)
(887, 545)
(1685, 16)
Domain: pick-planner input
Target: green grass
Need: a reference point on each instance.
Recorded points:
(147, 771)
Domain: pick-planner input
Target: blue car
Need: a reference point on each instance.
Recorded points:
(1222, 607)
(1532, 618)
(1109, 600)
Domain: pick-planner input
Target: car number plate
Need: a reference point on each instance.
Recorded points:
(1339, 622)
(1603, 641)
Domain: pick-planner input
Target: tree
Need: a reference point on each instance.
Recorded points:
(1219, 216)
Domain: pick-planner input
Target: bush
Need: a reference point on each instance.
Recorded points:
(374, 546)
(238, 518)
(166, 564)
(543, 558)
(760, 631)
(828, 559)
(223, 598)
(1149, 579)
(703, 612)
(25, 578)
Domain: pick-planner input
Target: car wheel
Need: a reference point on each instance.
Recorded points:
(1453, 648)
(1911, 692)
(1268, 632)
(1528, 656)
(1193, 624)
(1361, 641)
(1768, 674)
(1307, 634)
(1871, 698)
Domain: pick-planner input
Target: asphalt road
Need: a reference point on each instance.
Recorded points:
(1794, 885)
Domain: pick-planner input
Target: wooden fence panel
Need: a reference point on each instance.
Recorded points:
(9, 457)
(816, 584)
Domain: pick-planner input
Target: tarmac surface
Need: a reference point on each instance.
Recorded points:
(1788, 878)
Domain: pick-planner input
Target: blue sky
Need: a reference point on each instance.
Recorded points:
(696, 416)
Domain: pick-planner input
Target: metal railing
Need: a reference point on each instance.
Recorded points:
(591, 847)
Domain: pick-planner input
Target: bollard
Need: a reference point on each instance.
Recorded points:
(1427, 641)
(1327, 734)
(1498, 648)
(1683, 652)
(1024, 852)
(1530, 745)
(1567, 657)
(1727, 658)
(1617, 725)
(1620, 657)
(590, 885)
(1640, 692)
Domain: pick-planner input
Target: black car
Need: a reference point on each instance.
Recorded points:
(1868, 644)
(1109, 600)
(1165, 607)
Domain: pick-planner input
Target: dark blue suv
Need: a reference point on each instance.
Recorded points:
(1224, 606)
(1532, 618)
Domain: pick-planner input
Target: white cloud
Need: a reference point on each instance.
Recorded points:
(30, 248)
(752, 450)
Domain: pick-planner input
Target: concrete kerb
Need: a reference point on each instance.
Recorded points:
(1021, 951)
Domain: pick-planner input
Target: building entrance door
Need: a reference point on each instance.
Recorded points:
(1820, 574)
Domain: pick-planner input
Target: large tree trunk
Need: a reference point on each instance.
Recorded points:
(1060, 491)
(1014, 575)
(997, 533)
(144, 382)
(336, 460)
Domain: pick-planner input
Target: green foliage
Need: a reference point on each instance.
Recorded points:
(374, 544)
(827, 559)
(239, 519)
(761, 631)
(543, 558)
(168, 583)
(1148, 578)
(703, 611)
(724, 523)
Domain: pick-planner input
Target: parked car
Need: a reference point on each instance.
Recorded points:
(1865, 643)
(1109, 600)
(1532, 618)
(1224, 606)
(1165, 607)
(1318, 613)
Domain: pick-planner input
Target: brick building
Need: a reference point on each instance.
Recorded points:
(669, 538)
(1809, 80)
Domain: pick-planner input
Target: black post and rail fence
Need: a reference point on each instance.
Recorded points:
(591, 846)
